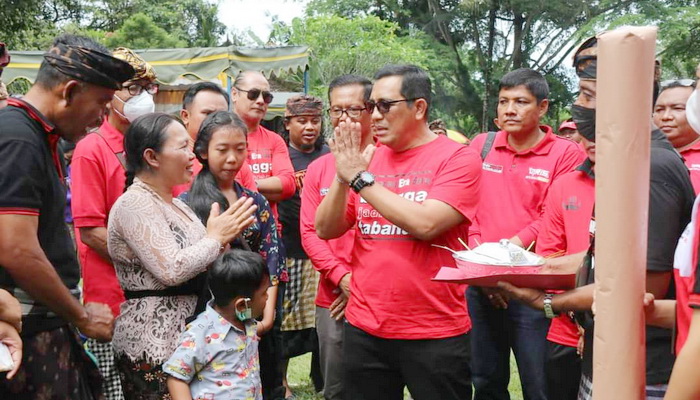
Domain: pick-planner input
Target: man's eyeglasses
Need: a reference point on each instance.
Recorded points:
(384, 106)
(677, 82)
(136, 89)
(352, 112)
(253, 94)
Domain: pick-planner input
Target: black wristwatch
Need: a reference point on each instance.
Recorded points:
(361, 181)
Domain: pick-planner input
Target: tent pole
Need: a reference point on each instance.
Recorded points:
(229, 85)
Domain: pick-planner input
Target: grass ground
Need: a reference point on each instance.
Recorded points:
(298, 376)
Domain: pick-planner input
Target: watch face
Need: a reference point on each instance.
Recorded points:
(367, 177)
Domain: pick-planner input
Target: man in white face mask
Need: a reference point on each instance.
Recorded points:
(692, 107)
(97, 181)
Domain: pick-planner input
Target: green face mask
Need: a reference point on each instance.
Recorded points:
(247, 313)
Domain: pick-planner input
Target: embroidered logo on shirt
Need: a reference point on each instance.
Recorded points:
(492, 167)
(572, 204)
(538, 174)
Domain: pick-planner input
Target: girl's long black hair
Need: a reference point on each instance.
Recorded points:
(205, 190)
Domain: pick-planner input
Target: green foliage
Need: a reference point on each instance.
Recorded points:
(351, 46)
(19, 86)
(193, 22)
(32, 24)
(141, 32)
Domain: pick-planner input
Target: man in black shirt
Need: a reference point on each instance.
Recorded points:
(303, 120)
(38, 264)
(671, 199)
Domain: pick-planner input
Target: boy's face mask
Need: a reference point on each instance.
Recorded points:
(247, 312)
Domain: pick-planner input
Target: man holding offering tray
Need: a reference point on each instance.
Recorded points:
(520, 163)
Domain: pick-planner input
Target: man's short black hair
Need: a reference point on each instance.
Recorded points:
(49, 77)
(531, 79)
(192, 91)
(415, 83)
(349, 79)
(236, 273)
(676, 84)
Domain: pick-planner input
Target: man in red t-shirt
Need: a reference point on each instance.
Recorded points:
(520, 163)
(97, 174)
(347, 95)
(200, 100)
(669, 116)
(268, 156)
(419, 189)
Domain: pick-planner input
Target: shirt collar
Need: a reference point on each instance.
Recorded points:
(693, 148)
(221, 326)
(541, 148)
(587, 168)
(33, 113)
(48, 127)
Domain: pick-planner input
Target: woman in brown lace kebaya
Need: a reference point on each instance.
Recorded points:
(159, 248)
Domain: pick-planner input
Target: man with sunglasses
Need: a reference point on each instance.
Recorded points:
(97, 170)
(347, 95)
(417, 189)
(268, 156)
(520, 163)
(669, 116)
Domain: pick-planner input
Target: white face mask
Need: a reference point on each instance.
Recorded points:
(692, 111)
(137, 106)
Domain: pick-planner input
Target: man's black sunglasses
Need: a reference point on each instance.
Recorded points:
(384, 106)
(253, 94)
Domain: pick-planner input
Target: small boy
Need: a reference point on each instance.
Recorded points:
(218, 353)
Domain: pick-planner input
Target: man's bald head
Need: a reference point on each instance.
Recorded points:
(251, 97)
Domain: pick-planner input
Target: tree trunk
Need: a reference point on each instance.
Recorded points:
(518, 36)
(488, 68)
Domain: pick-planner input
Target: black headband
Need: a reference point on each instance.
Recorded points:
(586, 59)
(89, 66)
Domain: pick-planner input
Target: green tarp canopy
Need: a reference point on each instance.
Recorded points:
(205, 63)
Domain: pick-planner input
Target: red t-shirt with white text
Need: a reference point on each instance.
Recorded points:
(267, 157)
(393, 295)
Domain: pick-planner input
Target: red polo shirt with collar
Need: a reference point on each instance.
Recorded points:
(515, 184)
(691, 156)
(330, 257)
(97, 181)
(565, 230)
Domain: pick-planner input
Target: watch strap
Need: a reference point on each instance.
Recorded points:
(548, 311)
(357, 183)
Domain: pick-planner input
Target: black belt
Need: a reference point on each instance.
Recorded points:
(189, 288)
